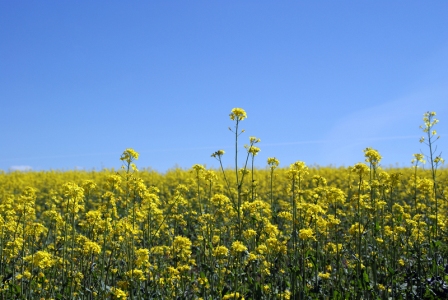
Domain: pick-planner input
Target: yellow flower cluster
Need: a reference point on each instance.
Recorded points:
(242, 233)
(238, 114)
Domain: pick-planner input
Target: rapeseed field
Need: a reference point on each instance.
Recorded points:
(359, 232)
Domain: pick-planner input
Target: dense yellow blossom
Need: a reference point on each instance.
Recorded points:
(306, 234)
(238, 247)
(362, 231)
(41, 259)
(238, 114)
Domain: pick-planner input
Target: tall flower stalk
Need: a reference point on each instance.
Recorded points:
(361, 170)
(373, 158)
(273, 164)
(238, 115)
(296, 173)
(435, 161)
(128, 157)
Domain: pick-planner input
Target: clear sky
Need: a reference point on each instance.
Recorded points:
(81, 81)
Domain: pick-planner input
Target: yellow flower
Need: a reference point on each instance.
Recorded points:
(182, 247)
(198, 168)
(249, 233)
(238, 114)
(238, 247)
(118, 294)
(372, 156)
(325, 275)
(418, 157)
(254, 140)
(25, 274)
(91, 248)
(136, 274)
(218, 154)
(275, 246)
(210, 176)
(129, 155)
(333, 248)
(233, 296)
(356, 229)
(75, 197)
(306, 234)
(204, 282)
(41, 259)
(439, 160)
(252, 149)
(360, 169)
(89, 185)
(273, 162)
(429, 120)
(297, 169)
(285, 295)
(184, 268)
(142, 257)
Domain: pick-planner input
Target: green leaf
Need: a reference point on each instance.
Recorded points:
(391, 271)
(365, 277)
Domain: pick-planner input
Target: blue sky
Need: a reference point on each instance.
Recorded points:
(80, 81)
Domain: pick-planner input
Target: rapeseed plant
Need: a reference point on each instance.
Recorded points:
(361, 232)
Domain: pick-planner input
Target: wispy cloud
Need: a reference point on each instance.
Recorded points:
(330, 141)
(56, 156)
(20, 168)
(394, 120)
(355, 140)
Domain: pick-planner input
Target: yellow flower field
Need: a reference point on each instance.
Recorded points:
(361, 232)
